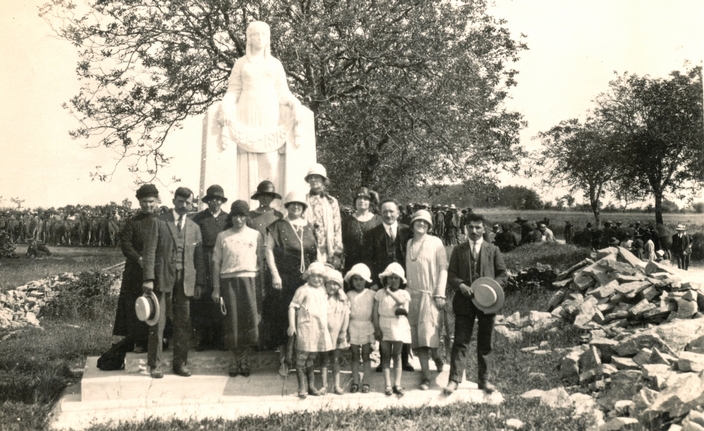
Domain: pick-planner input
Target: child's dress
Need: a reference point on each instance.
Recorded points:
(338, 308)
(311, 319)
(361, 323)
(393, 327)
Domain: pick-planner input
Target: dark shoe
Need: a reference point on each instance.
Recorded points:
(354, 388)
(450, 388)
(182, 371)
(398, 390)
(233, 370)
(407, 367)
(388, 391)
(425, 385)
(139, 349)
(378, 368)
(155, 373)
(365, 388)
(245, 371)
(302, 384)
(487, 387)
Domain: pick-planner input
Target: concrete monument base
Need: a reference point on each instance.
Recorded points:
(131, 395)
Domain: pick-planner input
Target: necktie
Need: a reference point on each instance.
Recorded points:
(474, 250)
(391, 234)
(179, 225)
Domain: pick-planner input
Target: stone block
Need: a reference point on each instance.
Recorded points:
(694, 421)
(583, 281)
(652, 370)
(606, 290)
(623, 407)
(569, 365)
(643, 400)
(626, 256)
(571, 270)
(638, 310)
(697, 345)
(562, 283)
(590, 376)
(643, 356)
(624, 385)
(649, 293)
(605, 347)
(617, 298)
(631, 345)
(620, 424)
(508, 335)
(654, 267)
(608, 252)
(657, 357)
(686, 309)
(690, 361)
(679, 333)
(556, 299)
(679, 399)
(590, 359)
(622, 363)
(630, 290)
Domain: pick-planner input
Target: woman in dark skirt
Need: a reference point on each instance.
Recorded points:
(139, 231)
(238, 257)
(290, 248)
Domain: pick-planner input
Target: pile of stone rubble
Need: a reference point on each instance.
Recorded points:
(642, 361)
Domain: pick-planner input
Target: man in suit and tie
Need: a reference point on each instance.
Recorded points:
(681, 247)
(469, 261)
(387, 244)
(179, 267)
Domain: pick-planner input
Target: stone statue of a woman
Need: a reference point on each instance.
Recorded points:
(259, 117)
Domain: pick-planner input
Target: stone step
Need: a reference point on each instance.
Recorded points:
(134, 396)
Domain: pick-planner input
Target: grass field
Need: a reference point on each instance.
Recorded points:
(15, 272)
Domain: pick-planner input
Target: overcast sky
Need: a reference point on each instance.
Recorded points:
(574, 48)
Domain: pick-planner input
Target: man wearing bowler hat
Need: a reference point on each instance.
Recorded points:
(477, 273)
(179, 268)
(205, 316)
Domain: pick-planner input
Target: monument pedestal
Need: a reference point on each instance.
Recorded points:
(133, 396)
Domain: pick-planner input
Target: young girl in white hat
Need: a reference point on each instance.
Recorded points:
(361, 328)
(391, 324)
(308, 320)
(338, 321)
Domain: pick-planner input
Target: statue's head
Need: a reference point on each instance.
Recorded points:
(258, 33)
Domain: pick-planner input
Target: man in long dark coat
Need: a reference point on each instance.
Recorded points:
(138, 242)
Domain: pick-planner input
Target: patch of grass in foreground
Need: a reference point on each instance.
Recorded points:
(450, 417)
(16, 272)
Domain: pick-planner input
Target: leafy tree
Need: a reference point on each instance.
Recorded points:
(579, 155)
(404, 92)
(520, 198)
(657, 124)
(17, 201)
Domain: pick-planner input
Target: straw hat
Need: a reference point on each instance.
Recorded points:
(360, 270)
(394, 268)
(334, 276)
(488, 295)
(147, 308)
(681, 227)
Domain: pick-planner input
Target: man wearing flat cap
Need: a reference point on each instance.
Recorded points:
(180, 271)
(471, 260)
(205, 316)
(138, 239)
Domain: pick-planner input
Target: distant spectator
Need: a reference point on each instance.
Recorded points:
(506, 239)
(681, 247)
(569, 233)
(546, 234)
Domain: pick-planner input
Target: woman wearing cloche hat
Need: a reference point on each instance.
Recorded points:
(324, 216)
(290, 249)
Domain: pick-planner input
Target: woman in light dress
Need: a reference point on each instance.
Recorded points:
(426, 269)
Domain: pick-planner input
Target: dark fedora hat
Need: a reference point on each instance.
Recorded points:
(266, 188)
(213, 192)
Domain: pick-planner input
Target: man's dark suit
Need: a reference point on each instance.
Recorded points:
(681, 249)
(382, 251)
(175, 279)
(490, 264)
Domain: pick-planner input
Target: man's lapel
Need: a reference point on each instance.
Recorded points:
(171, 223)
(483, 257)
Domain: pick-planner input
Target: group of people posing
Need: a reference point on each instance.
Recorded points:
(309, 283)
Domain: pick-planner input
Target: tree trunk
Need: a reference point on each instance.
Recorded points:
(658, 208)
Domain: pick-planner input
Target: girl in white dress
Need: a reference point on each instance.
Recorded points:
(361, 328)
(391, 324)
(308, 320)
(338, 321)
